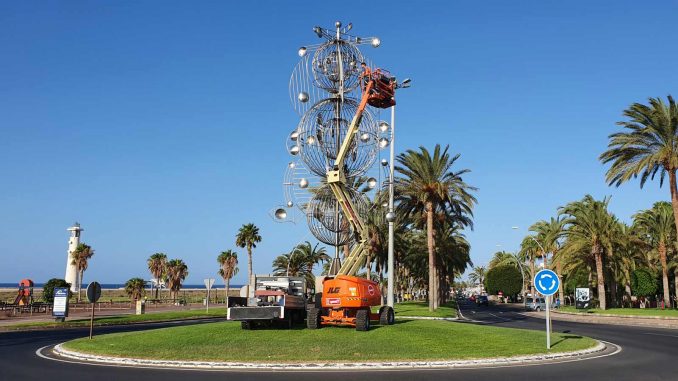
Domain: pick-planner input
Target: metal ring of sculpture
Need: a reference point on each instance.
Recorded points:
(322, 130)
(326, 219)
(330, 59)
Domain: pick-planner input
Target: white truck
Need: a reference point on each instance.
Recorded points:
(272, 300)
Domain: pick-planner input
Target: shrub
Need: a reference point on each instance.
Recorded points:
(506, 279)
(48, 289)
(643, 283)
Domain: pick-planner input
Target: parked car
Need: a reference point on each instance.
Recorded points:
(482, 300)
(535, 304)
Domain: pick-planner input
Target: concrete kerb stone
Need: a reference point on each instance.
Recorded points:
(59, 350)
(427, 318)
(638, 317)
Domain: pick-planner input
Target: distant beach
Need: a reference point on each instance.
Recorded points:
(116, 286)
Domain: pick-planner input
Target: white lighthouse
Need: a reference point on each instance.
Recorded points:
(73, 242)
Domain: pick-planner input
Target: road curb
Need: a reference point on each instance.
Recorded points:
(61, 352)
(427, 318)
(85, 326)
(632, 317)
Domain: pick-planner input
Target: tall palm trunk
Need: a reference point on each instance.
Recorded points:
(157, 286)
(674, 195)
(665, 273)
(559, 271)
(675, 284)
(228, 285)
(598, 256)
(79, 285)
(431, 257)
(249, 268)
(627, 285)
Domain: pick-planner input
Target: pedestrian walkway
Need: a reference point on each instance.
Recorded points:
(85, 313)
(643, 321)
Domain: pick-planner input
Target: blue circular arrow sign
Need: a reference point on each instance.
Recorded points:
(546, 282)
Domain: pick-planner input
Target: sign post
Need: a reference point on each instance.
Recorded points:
(546, 282)
(93, 294)
(209, 282)
(60, 306)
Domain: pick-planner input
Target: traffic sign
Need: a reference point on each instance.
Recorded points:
(209, 282)
(546, 282)
(93, 292)
(60, 308)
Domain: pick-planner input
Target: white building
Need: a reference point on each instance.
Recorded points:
(73, 242)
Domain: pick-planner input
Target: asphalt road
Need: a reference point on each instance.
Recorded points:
(647, 354)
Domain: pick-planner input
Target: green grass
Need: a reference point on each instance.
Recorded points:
(626, 311)
(125, 319)
(420, 309)
(406, 340)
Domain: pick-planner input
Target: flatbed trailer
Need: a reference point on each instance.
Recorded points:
(275, 300)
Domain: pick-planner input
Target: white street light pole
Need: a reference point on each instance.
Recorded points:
(391, 227)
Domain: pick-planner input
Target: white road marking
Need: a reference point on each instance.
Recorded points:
(659, 334)
(617, 351)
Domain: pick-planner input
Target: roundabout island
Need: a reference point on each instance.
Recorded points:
(409, 343)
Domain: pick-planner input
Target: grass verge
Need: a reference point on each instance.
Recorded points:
(420, 309)
(405, 340)
(626, 311)
(123, 319)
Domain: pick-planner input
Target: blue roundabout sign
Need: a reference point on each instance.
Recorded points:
(546, 282)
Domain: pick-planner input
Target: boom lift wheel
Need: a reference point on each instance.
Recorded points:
(386, 315)
(246, 325)
(362, 320)
(313, 318)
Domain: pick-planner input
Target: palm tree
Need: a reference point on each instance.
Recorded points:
(156, 265)
(549, 234)
(248, 237)
(649, 144)
(177, 271)
(657, 224)
(477, 276)
(312, 255)
(529, 252)
(228, 262)
(429, 186)
(589, 225)
(501, 258)
(135, 288)
(80, 257)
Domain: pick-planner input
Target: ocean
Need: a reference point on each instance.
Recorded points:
(115, 286)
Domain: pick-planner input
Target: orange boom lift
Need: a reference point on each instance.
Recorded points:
(347, 299)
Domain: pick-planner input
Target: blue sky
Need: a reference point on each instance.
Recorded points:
(160, 126)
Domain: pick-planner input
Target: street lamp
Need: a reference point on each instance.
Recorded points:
(391, 212)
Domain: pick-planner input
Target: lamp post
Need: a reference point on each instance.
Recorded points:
(390, 216)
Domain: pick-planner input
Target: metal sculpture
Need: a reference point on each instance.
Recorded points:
(325, 89)
(336, 142)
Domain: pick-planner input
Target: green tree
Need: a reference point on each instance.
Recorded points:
(657, 225)
(228, 268)
(477, 276)
(177, 271)
(135, 288)
(248, 237)
(589, 225)
(549, 234)
(643, 283)
(48, 289)
(647, 146)
(80, 258)
(429, 187)
(501, 258)
(157, 265)
(505, 278)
